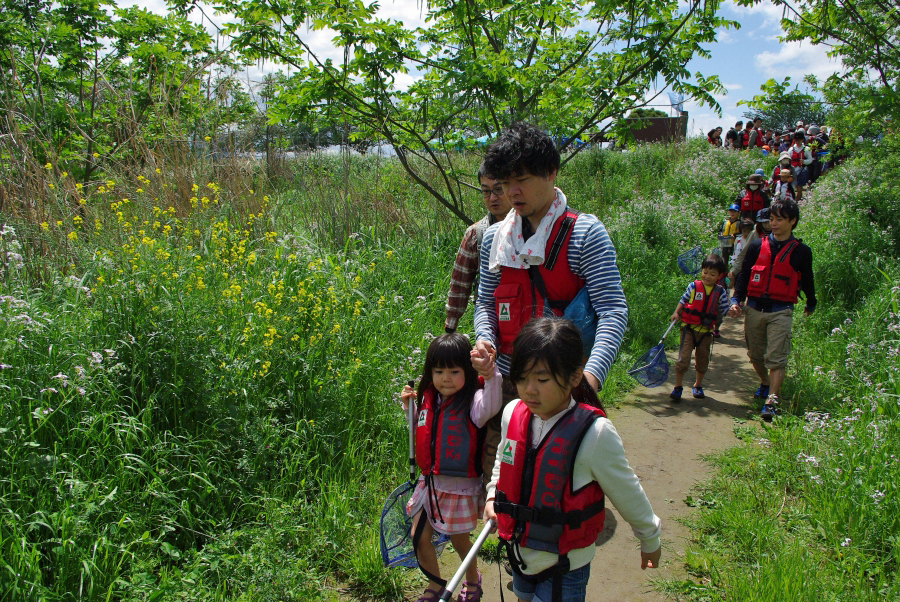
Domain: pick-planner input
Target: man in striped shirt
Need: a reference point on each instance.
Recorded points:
(465, 269)
(515, 253)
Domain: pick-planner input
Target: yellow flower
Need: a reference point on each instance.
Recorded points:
(158, 170)
(139, 190)
(51, 186)
(207, 138)
(59, 223)
(78, 186)
(77, 220)
(48, 166)
(82, 201)
(45, 226)
(96, 155)
(389, 254)
(64, 174)
(72, 235)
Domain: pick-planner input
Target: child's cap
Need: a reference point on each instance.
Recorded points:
(760, 172)
(785, 174)
(766, 147)
(800, 124)
(762, 215)
(734, 207)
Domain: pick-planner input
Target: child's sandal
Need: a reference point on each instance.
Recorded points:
(429, 595)
(471, 592)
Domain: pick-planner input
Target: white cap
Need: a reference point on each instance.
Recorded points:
(799, 124)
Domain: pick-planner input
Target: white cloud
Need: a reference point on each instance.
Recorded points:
(770, 13)
(732, 87)
(724, 36)
(796, 59)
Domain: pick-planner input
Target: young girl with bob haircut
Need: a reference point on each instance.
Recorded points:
(559, 458)
(458, 393)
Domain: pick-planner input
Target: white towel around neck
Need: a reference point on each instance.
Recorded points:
(511, 250)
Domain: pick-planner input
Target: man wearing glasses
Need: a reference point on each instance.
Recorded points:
(465, 269)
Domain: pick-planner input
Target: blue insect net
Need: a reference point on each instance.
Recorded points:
(396, 530)
(690, 260)
(652, 368)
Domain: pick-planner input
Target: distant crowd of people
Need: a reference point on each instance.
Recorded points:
(823, 145)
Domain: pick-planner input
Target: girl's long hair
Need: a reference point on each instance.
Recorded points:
(557, 343)
(449, 351)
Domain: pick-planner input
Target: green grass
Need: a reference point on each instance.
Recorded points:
(197, 390)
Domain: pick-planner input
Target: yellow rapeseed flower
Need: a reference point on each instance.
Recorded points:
(139, 190)
(389, 254)
(51, 186)
(59, 223)
(79, 186)
(48, 166)
(64, 174)
(77, 220)
(72, 235)
(96, 155)
(158, 170)
(45, 226)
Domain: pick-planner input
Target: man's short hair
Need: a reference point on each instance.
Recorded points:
(521, 149)
(786, 209)
(482, 173)
(738, 124)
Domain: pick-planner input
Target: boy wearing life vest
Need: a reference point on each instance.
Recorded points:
(729, 228)
(801, 157)
(754, 197)
(783, 190)
(776, 269)
(465, 269)
(698, 309)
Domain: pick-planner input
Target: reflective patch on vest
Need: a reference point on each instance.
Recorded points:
(698, 295)
(756, 277)
(508, 454)
(503, 312)
(423, 418)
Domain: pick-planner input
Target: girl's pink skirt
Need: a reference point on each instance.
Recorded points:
(461, 513)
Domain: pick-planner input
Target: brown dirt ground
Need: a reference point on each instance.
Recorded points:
(665, 444)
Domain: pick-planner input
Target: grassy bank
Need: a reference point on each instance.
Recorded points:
(198, 376)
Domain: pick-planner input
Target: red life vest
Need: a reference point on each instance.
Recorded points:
(752, 200)
(536, 505)
(447, 441)
(703, 308)
(797, 157)
(774, 277)
(517, 298)
(759, 138)
(745, 138)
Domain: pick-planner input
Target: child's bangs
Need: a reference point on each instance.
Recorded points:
(449, 352)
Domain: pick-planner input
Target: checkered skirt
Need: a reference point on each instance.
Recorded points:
(461, 513)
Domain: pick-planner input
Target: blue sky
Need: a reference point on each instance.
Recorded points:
(743, 59)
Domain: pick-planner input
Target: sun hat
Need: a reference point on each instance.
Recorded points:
(754, 179)
(762, 215)
(760, 172)
(784, 155)
(734, 207)
(786, 173)
(813, 130)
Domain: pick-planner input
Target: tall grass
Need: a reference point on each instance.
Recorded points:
(198, 369)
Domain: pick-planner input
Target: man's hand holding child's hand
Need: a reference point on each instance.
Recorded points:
(483, 362)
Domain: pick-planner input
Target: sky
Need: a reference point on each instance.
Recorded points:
(743, 58)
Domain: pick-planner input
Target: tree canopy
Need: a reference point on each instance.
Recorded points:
(570, 66)
(865, 36)
(780, 108)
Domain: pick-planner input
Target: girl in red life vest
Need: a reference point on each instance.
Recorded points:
(458, 393)
(559, 460)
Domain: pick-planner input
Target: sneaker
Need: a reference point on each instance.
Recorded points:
(762, 392)
(768, 410)
(675, 395)
(697, 392)
(717, 334)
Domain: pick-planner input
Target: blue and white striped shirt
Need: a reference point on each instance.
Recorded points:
(592, 257)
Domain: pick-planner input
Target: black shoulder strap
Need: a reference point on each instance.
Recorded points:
(564, 228)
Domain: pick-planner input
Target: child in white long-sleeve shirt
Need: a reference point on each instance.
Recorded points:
(542, 482)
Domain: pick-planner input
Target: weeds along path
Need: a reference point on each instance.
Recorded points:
(665, 444)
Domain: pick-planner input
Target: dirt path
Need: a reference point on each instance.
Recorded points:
(664, 443)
